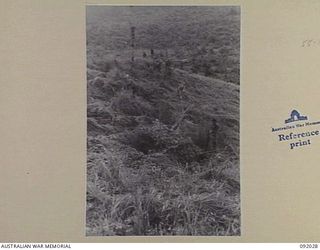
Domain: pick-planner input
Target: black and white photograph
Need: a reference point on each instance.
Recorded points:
(163, 120)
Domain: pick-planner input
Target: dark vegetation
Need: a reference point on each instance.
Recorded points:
(163, 131)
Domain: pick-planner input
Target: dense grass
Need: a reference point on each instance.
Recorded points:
(207, 39)
(154, 165)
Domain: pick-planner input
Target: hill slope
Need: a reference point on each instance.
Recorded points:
(208, 38)
(163, 152)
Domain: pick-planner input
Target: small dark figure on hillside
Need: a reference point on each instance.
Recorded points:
(131, 87)
(213, 132)
(116, 62)
(180, 90)
(181, 65)
(168, 67)
(157, 65)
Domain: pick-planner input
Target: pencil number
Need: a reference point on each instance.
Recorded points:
(310, 43)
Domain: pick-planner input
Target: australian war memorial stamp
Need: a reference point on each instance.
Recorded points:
(298, 131)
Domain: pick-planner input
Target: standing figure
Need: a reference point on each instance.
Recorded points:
(132, 42)
(213, 132)
(180, 90)
(168, 67)
(157, 64)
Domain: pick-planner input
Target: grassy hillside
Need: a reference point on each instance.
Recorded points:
(207, 38)
(163, 142)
